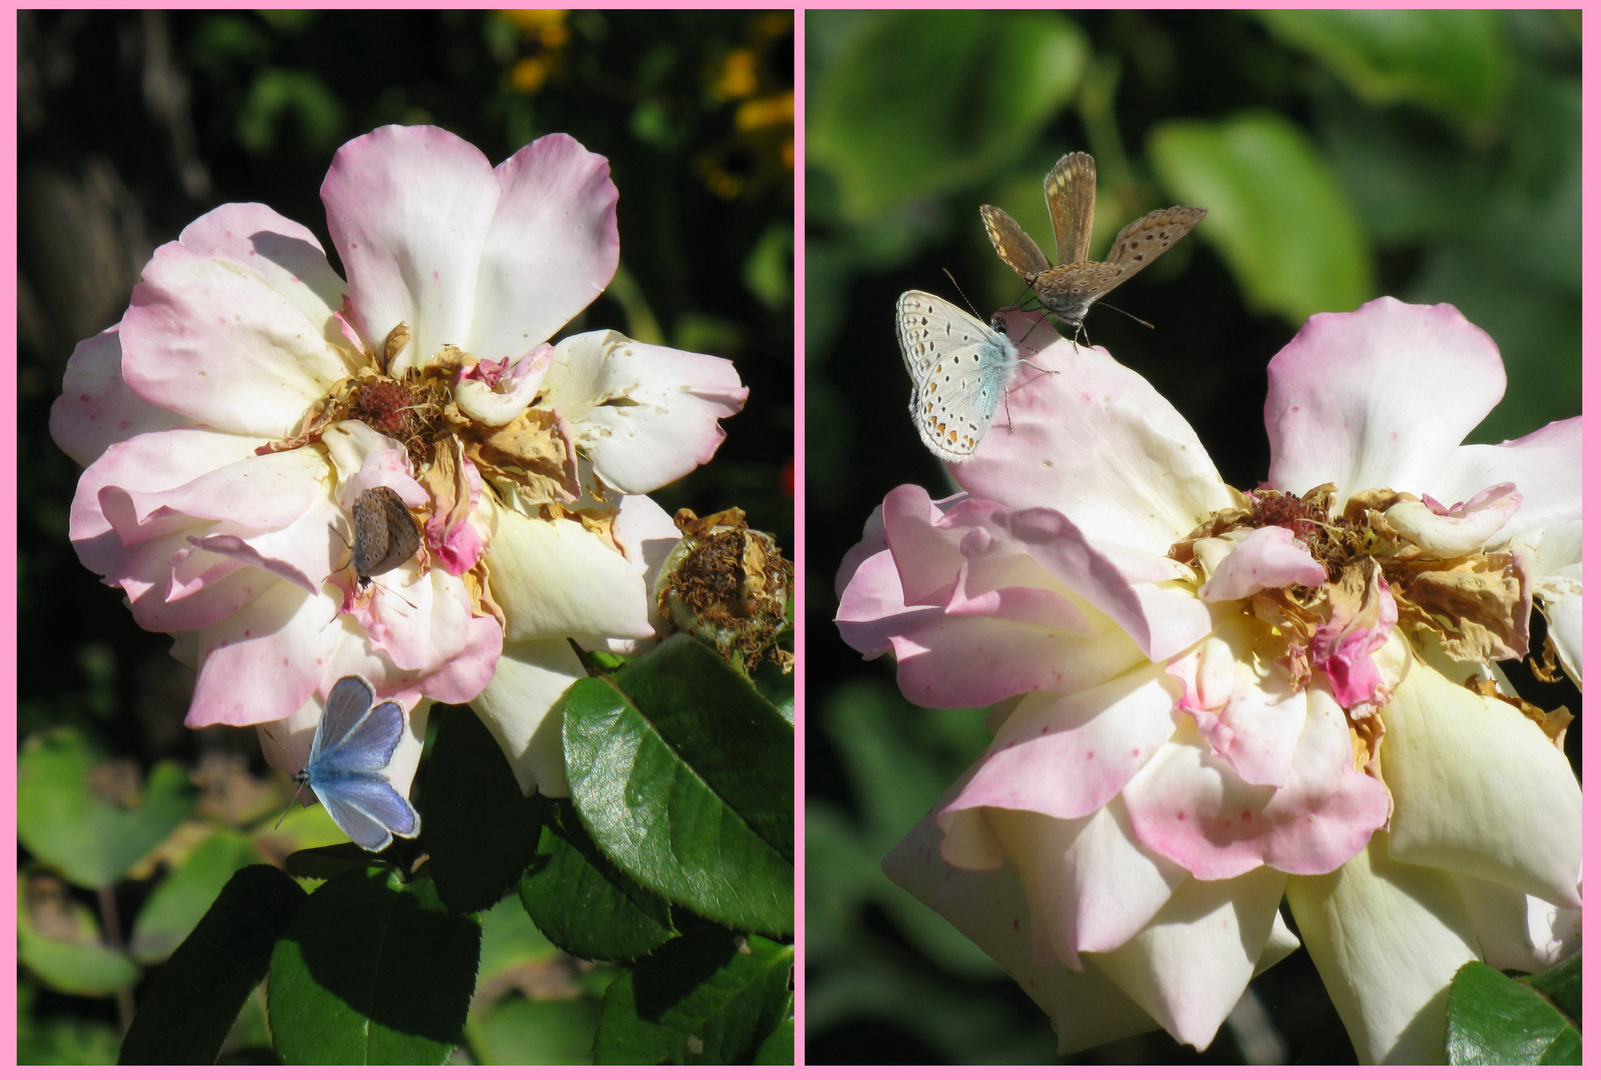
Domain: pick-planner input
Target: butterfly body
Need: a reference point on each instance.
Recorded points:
(385, 536)
(1068, 287)
(354, 741)
(959, 367)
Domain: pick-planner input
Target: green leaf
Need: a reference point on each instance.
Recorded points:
(1455, 63)
(189, 1005)
(1493, 1019)
(479, 829)
(59, 940)
(921, 103)
(326, 863)
(518, 1031)
(779, 1047)
(710, 999)
(77, 814)
(371, 973)
(684, 776)
(1563, 985)
(510, 941)
(1275, 210)
(178, 903)
(584, 903)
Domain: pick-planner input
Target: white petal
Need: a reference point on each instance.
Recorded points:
(1190, 965)
(1386, 937)
(521, 707)
(558, 579)
(1479, 789)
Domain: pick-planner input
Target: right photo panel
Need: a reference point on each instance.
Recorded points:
(1193, 554)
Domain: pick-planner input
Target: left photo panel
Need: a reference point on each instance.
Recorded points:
(406, 430)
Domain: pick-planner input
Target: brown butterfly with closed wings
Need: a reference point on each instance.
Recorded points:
(1068, 288)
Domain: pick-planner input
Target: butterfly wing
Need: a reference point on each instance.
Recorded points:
(1012, 244)
(367, 809)
(1138, 245)
(386, 533)
(1068, 291)
(349, 701)
(1070, 194)
(344, 772)
(367, 745)
(959, 369)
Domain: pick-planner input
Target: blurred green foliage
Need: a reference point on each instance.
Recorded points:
(1343, 155)
(132, 124)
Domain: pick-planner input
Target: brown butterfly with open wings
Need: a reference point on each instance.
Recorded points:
(1068, 288)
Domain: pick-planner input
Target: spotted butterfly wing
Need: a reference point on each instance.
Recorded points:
(959, 369)
(1069, 287)
(386, 533)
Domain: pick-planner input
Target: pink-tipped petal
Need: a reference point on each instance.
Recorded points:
(1096, 442)
(1378, 398)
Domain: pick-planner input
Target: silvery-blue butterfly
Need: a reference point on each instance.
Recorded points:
(354, 741)
(959, 369)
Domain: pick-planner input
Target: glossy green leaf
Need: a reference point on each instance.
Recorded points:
(370, 972)
(1493, 1019)
(517, 1031)
(1451, 61)
(1275, 210)
(1563, 984)
(59, 940)
(709, 999)
(479, 829)
(76, 814)
(585, 904)
(920, 103)
(178, 903)
(684, 776)
(189, 1006)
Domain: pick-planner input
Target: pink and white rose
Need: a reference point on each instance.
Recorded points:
(249, 395)
(1205, 701)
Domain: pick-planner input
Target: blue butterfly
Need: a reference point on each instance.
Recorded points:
(354, 740)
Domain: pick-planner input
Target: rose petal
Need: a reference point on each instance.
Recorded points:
(644, 415)
(558, 579)
(494, 261)
(96, 408)
(1096, 442)
(990, 909)
(1378, 398)
(209, 338)
(1066, 757)
(1545, 467)
(1265, 558)
(1480, 790)
(1190, 964)
(1089, 883)
(1448, 533)
(1191, 807)
(521, 707)
(1387, 937)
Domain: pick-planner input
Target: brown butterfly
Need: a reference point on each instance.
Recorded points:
(1068, 288)
(386, 533)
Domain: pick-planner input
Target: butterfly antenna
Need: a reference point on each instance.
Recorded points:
(299, 768)
(965, 300)
(1136, 318)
